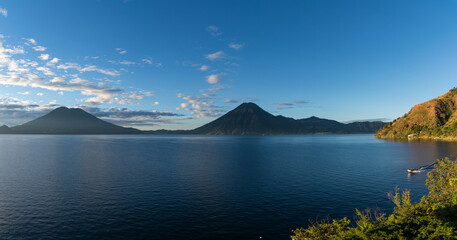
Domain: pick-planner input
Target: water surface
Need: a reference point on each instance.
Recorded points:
(197, 187)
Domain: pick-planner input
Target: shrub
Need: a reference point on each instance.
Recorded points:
(434, 217)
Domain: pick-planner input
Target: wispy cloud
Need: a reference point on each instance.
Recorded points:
(290, 105)
(237, 100)
(213, 30)
(236, 46)
(147, 61)
(215, 56)
(89, 57)
(125, 62)
(93, 68)
(88, 68)
(150, 61)
(39, 48)
(121, 51)
(217, 87)
(31, 41)
(132, 118)
(4, 12)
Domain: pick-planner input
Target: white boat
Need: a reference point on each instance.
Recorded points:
(414, 170)
(421, 168)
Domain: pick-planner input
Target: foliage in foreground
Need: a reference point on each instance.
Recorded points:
(434, 217)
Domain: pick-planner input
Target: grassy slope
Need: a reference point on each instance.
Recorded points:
(436, 118)
(434, 217)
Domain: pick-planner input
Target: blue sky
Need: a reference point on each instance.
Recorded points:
(180, 64)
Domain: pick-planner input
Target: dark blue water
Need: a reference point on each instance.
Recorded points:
(197, 187)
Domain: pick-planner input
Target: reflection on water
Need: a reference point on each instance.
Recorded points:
(197, 187)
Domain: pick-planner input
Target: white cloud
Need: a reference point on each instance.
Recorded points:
(155, 103)
(44, 57)
(54, 60)
(213, 78)
(66, 66)
(125, 62)
(232, 64)
(24, 93)
(103, 93)
(236, 46)
(13, 65)
(4, 12)
(121, 51)
(15, 50)
(88, 68)
(89, 57)
(93, 68)
(31, 40)
(217, 88)
(216, 55)
(204, 68)
(126, 117)
(23, 72)
(213, 30)
(45, 71)
(148, 61)
(290, 105)
(235, 100)
(58, 80)
(200, 106)
(39, 48)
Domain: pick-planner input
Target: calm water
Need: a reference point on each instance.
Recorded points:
(197, 187)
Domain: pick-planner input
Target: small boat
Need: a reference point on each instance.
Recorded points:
(414, 170)
(421, 168)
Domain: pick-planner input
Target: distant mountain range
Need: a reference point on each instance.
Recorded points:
(436, 118)
(250, 119)
(246, 119)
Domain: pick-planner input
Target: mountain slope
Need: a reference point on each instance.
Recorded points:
(70, 121)
(250, 119)
(246, 119)
(5, 129)
(436, 118)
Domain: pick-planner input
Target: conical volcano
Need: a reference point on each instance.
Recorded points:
(70, 121)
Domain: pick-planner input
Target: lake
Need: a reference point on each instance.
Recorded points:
(197, 187)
